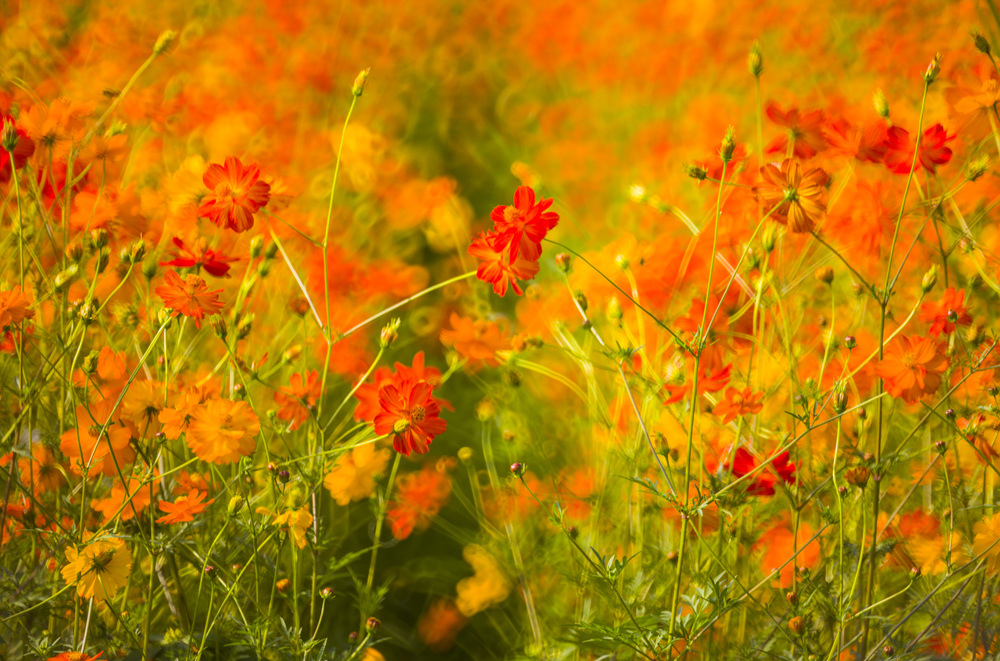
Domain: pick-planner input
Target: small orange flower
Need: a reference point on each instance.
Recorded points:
(419, 497)
(124, 501)
(75, 656)
(90, 454)
(439, 625)
(738, 403)
(221, 431)
(912, 368)
(236, 194)
(184, 508)
(804, 130)
(352, 478)
(302, 393)
(14, 307)
(42, 469)
(411, 414)
(477, 340)
(189, 297)
(797, 198)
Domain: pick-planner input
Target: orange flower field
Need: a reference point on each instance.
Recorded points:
(568, 331)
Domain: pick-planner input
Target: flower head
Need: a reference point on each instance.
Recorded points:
(352, 478)
(798, 199)
(477, 340)
(189, 296)
(804, 129)
(987, 542)
(221, 431)
(932, 153)
(497, 267)
(14, 307)
(236, 194)
(99, 568)
(419, 497)
(184, 508)
(302, 393)
(912, 368)
(523, 225)
(411, 414)
(946, 314)
(200, 256)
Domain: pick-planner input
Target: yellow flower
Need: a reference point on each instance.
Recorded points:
(100, 568)
(352, 478)
(297, 522)
(221, 431)
(987, 542)
(484, 589)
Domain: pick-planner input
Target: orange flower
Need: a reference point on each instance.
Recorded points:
(124, 501)
(780, 544)
(862, 143)
(98, 569)
(804, 130)
(221, 431)
(367, 394)
(738, 403)
(477, 340)
(932, 152)
(236, 194)
(487, 587)
(175, 419)
(439, 625)
(14, 307)
(912, 368)
(90, 455)
(75, 656)
(352, 478)
(200, 256)
(189, 297)
(797, 199)
(301, 395)
(184, 508)
(951, 311)
(522, 226)
(419, 497)
(42, 469)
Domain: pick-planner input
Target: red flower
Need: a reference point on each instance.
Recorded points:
(523, 225)
(803, 128)
(367, 394)
(899, 154)
(411, 414)
(497, 267)
(763, 482)
(236, 194)
(22, 151)
(952, 305)
(201, 256)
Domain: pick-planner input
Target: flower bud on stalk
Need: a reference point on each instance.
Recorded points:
(359, 83)
(755, 61)
(881, 104)
(933, 69)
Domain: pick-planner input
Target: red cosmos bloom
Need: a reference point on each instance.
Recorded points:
(236, 194)
(201, 256)
(805, 129)
(523, 225)
(763, 483)
(411, 414)
(912, 368)
(862, 143)
(952, 305)
(497, 267)
(933, 152)
(367, 394)
(22, 151)
(189, 297)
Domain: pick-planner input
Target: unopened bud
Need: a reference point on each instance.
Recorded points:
(164, 42)
(563, 261)
(218, 324)
(695, 171)
(372, 625)
(929, 279)
(581, 300)
(933, 69)
(824, 274)
(797, 625)
(282, 585)
(466, 455)
(389, 333)
(235, 505)
(326, 593)
(9, 137)
(517, 469)
(256, 246)
(359, 83)
(755, 61)
(977, 168)
(615, 313)
(728, 146)
(881, 104)
(982, 45)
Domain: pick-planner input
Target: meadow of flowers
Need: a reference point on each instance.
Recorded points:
(562, 330)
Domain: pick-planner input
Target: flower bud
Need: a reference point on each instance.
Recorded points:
(728, 146)
(695, 171)
(638, 193)
(564, 262)
(372, 625)
(270, 250)
(615, 313)
(359, 83)
(284, 476)
(933, 69)
(282, 585)
(857, 476)
(9, 137)
(256, 246)
(218, 324)
(977, 168)
(797, 625)
(164, 42)
(980, 42)
(581, 300)
(929, 279)
(326, 593)
(466, 455)
(850, 342)
(792, 597)
(881, 104)
(235, 505)
(755, 61)
(517, 469)
(389, 333)
(824, 274)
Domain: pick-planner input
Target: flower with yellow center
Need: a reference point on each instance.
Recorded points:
(99, 568)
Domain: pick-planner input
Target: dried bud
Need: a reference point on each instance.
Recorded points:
(982, 45)
(933, 69)
(218, 324)
(164, 42)
(359, 83)
(755, 61)
(90, 363)
(728, 146)
(695, 171)
(517, 469)
(977, 168)
(881, 104)
(857, 476)
(581, 300)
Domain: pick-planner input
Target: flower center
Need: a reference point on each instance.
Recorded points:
(417, 414)
(512, 215)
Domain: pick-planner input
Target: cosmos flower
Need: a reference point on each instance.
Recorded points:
(99, 568)
(411, 414)
(189, 296)
(798, 199)
(236, 194)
